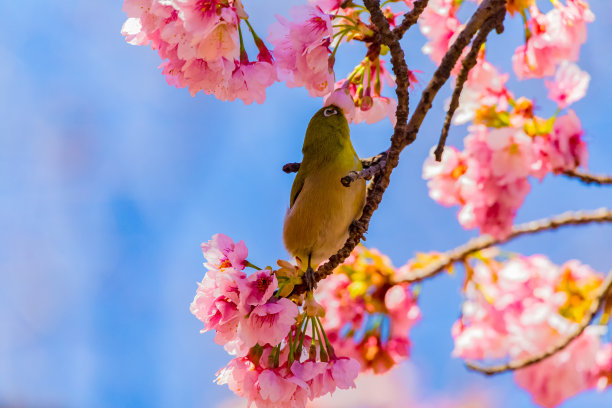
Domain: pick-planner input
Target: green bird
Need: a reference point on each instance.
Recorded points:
(321, 209)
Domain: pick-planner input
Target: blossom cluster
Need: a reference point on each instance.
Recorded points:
(551, 38)
(507, 142)
(367, 316)
(440, 25)
(363, 89)
(277, 363)
(203, 46)
(523, 307)
(489, 178)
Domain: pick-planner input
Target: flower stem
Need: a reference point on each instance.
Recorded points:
(343, 34)
(249, 264)
(330, 348)
(356, 23)
(277, 356)
(301, 339)
(290, 358)
(322, 354)
(244, 58)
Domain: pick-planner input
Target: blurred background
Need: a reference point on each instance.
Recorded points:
(110, 179)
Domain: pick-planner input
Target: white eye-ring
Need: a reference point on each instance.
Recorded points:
(330, 111)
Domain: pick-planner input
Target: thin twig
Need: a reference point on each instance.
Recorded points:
(491, 9)
(606, 288)
(365, 174)
(462, 252)
(370, 161)
(410, 18)
(466, 65)
(589, 178)
(367, 162)
(405, 131)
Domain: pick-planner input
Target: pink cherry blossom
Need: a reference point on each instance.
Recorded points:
(523, 307)
(563, 149)
(200, 41)
(326, 382)
(440, 25)
(221, 252)
(602, 373)
(268, 386)
(344, 371)
(249, 82)
(268, 323)
(403, 310)
(381, 108)
(554, 36)
(564, 374)
(351, 311)
(258, 288)
(488, 179)
(301, 49)
(492, 205)
(365, 85)
(485, 86)
(442, 176)
(218, 305)
(569, 85)
(327, 6)
(198, 75)
(313, 375)
(511, 153)
(240, 375)
(274, 389)
(341, 98)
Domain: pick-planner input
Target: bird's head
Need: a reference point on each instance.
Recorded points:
(327, 126)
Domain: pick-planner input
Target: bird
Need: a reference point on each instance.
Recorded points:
(321, 208)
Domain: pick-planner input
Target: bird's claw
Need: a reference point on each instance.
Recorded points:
(309, 279)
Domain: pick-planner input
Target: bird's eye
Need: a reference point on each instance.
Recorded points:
(330, 111)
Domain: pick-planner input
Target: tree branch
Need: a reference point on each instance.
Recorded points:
(462, 252)
(606, 288)
(589, 178)
(467, 64)
(495, 9)
(405, 132)
(410, 18)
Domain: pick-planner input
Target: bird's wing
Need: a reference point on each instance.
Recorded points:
(298, 183)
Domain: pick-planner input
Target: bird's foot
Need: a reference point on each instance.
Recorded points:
(310, 279)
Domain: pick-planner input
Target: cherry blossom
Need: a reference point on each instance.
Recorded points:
(221, 252)
(366, 318)
(553, 37)
(442, 176)
(258, 288)
(569, 85)
(565, 374)
(485, 86)
(525, 306)
(440, 25)
(301, 49)
(365, 85)
(268, 323)
(290, 348)
(203, 45)
(562, 149)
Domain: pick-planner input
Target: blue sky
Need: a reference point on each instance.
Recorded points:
(110, 179)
